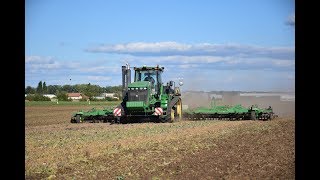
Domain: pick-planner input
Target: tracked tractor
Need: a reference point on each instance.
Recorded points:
(147, 98)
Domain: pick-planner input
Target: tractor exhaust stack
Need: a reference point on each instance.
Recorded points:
(126, 79)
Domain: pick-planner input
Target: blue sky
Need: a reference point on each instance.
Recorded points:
(244, 45)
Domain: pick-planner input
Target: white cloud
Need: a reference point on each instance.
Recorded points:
(177, 59)
(142, 47)
(39, 60)
(188, 66)
(200, 59)
(46, 63)
(99, 69)
(283, 63)
(72, 65)
(54, 65)
(207, 72)
(99, 78)
(201, 49)
(40, 63)
(212, 62)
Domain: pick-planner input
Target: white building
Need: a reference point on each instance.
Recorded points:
(51, 96)
(108, 95)
(76, 96)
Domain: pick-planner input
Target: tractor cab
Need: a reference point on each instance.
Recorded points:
(151, 75)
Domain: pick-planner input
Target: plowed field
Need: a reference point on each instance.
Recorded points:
(209, 149)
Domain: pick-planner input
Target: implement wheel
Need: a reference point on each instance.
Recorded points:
(253, 115)
(171, 118)
(179, 110)
(78, 118)
(176, 112)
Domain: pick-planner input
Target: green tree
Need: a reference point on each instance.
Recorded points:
(44, 88)
(52, 89)
(62, 96)
(88, 91)
(113, 89)
(30, 90)
(39, 88)
(37, 97)
(80, 88)
(67, 88)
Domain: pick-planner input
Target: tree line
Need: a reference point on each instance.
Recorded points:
(61, 91)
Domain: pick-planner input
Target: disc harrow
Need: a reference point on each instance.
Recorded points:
(236, 112)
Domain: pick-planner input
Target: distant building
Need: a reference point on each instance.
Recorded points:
(109, 95)
(76, 96)
(106, 95)
(51, 96)
(99, 97)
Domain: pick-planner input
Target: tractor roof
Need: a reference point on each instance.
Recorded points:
(143, 68)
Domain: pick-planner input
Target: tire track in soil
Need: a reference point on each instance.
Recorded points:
(266, 155)
(253, 150)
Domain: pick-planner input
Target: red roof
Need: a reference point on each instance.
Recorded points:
(74, 94)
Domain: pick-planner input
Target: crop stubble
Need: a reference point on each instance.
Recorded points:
(56, 148)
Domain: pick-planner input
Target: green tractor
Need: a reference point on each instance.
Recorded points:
(147, 98)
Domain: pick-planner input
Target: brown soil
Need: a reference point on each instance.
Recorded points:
(47, 115)
(184, 150)
(268, 154)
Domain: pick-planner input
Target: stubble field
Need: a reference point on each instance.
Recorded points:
(211, 149)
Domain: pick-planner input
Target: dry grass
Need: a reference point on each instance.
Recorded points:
(47, 115)
(55, 148)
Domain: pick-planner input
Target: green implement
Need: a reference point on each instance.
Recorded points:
(93, 115)
(262, 113)
(237, 112)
